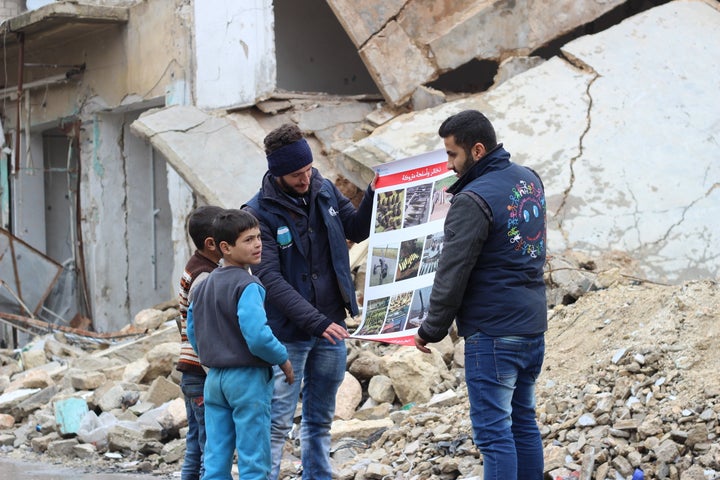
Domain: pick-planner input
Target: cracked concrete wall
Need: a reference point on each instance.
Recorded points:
(158, 52)
(129, 67)
(407, 43)
(624, 131)
(127, 221)
(147, 58)
(235, 52)
(104, 216)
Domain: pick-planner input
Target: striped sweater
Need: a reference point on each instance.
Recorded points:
(196, 269)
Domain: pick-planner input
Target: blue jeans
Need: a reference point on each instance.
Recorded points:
(320, 367)
(500, 373)
(192, 385)
(237, 416)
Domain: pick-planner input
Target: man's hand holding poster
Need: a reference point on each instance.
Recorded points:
(406, 239)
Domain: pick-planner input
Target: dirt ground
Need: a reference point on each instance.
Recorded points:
(679, 322)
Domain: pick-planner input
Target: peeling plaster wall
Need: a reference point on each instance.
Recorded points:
(127, 225)
(147, 58)
(235, 52)
(104, 76)
(149, 223)
(128, 68)
(159, 51)
(181, 201)
(104, 214)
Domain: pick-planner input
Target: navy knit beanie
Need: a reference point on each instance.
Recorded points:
(289, 158)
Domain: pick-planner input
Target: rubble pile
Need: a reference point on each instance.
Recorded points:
(644, 407)
(630, 412)
(628, 384)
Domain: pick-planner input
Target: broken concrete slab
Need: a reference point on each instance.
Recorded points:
(212, 155)
(332, 123)
(361, 20)
(405, 44)
(130, 350)
(625, 137)
(11, 399)
(397, 64)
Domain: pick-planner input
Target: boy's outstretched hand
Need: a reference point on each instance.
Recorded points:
(288, 371)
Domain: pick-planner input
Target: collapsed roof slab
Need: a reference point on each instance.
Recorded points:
(212, 154)
(625, 136)
(405, 44)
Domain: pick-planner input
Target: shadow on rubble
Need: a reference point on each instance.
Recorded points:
(11, 469)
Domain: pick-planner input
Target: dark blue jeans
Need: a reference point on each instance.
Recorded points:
(192, 385)
(500, 373)
(319, 370)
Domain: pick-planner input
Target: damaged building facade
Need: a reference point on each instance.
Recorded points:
(119, 117)
(93, 213)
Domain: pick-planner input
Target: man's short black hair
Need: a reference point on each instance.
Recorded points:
(200, 224)
(229, 224)
(469, 127)
(285, 134)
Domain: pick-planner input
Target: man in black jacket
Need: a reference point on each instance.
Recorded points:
(490, 280)
(305, 268)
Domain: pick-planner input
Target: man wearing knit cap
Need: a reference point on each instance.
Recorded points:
(304, 222)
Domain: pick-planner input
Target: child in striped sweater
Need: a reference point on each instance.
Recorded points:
(204, 260)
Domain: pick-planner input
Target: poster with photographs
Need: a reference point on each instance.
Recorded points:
(406, 239)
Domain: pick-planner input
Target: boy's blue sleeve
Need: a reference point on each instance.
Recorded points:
(253, 325)
(190, 327)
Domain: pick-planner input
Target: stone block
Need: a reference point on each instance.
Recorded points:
(7, 439)
(62, 448)
(34, 402)
(69, 412)
(161, 391)
(173, 451)
(87, 380)
(41, 443)
(348, 397)
(33, 358)
(84, 451)
(135, 371)
(11, 399)
(6, 421)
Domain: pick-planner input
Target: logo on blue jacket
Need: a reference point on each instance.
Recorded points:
(284, 237)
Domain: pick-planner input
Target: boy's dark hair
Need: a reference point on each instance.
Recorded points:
(229, 224)
(469, 127)
(283, 135)
(200, 224)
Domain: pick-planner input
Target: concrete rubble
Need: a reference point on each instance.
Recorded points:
(400, 412)
(408, 43)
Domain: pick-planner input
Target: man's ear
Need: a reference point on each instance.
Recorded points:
(478, 151)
